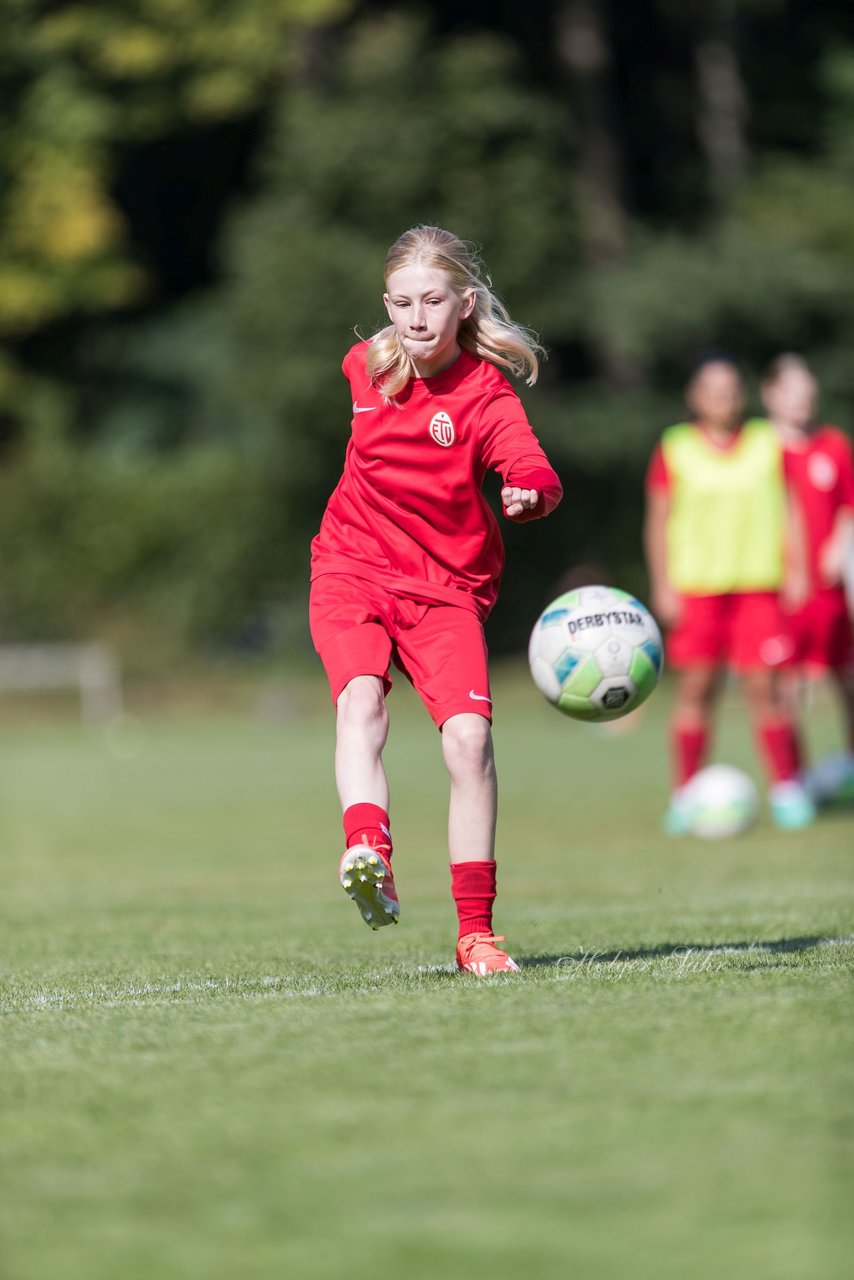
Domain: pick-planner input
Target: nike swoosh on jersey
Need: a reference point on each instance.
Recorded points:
(357, 408)
(478, 697)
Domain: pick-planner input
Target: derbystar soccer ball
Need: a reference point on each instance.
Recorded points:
(719, 801)
(596, 653)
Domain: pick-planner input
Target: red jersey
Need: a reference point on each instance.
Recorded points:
(408, 511)
(820, 472)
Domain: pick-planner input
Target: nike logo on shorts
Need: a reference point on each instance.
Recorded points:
(357, 408)
(479, 697)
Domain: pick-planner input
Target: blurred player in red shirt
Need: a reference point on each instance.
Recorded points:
(408, 560)
(820, 473)
(716, 531)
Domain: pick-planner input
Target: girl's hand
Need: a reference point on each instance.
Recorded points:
(666, 605)
(518, 500)
(831, 562)
(795, 589)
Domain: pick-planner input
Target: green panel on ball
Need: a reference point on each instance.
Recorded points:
(586, 677)
(578, 708)
(568, 600)
(643, 674)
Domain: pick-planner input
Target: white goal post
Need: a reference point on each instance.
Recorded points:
(40, 668)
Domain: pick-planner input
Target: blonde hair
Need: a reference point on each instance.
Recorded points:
(488, 332)
(788, 362)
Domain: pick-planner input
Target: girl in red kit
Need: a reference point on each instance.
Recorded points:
(408, 560)
(820, 473)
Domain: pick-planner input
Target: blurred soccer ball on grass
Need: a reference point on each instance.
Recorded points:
(719, 801)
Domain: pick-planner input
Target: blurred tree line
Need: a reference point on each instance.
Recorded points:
(195, 201)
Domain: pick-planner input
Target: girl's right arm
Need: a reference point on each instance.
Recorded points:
(531, 487)
(836, 552)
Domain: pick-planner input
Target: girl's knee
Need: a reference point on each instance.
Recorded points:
(362, 701)
(764, 693)
(467, 744)
(696, 694)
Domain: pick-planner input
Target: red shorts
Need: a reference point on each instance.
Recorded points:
(745, 630)
(359, 629)
(823, 633)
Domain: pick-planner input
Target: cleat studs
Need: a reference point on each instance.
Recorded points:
(373, 860)
(348, 883)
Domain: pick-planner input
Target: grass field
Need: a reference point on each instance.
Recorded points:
(211, 1068)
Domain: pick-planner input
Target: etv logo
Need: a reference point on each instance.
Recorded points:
(442, 429)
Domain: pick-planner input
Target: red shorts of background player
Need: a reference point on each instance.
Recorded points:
(744, 630)
(359, 629)
(823, 634)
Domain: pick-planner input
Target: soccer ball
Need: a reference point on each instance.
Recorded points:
(595, 653)
(719, 801)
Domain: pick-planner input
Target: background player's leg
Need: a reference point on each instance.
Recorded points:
(697, 690)
(845, 681)
(777, 740)
(774, 729)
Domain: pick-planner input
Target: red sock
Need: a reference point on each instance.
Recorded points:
(781, 751)
(688, 746)
(367, 824)
(473, 887)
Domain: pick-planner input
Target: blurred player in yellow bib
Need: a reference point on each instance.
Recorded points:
(716, 531)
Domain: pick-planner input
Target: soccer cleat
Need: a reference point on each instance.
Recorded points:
(477, 953)
(677, 819)
(366, 877)
(831, 781)
(791, 807)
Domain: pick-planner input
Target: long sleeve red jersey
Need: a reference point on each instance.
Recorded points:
(408, 511)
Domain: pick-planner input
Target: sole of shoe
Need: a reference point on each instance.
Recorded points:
(482, 970)
(362, 875)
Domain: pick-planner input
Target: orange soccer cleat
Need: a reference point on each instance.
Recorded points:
(366, 877)
(477, 953)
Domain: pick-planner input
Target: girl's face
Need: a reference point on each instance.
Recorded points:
(716, 396)
(426, 312)
(791, 398)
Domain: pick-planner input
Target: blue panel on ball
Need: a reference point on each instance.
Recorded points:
(553, 616)
(565, 666)
(653, 652)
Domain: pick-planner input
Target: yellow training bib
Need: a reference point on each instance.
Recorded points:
(725, 529)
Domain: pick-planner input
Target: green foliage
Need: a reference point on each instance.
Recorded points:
(90, 543)
(368, 120)
(78, 79)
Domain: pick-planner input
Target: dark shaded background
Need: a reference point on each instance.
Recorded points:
(195, 200)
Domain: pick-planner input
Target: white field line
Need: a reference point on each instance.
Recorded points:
(781, 948)
(681, 960)
(154, 993)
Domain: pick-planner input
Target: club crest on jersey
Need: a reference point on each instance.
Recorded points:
(442, 429)
(822, 471)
